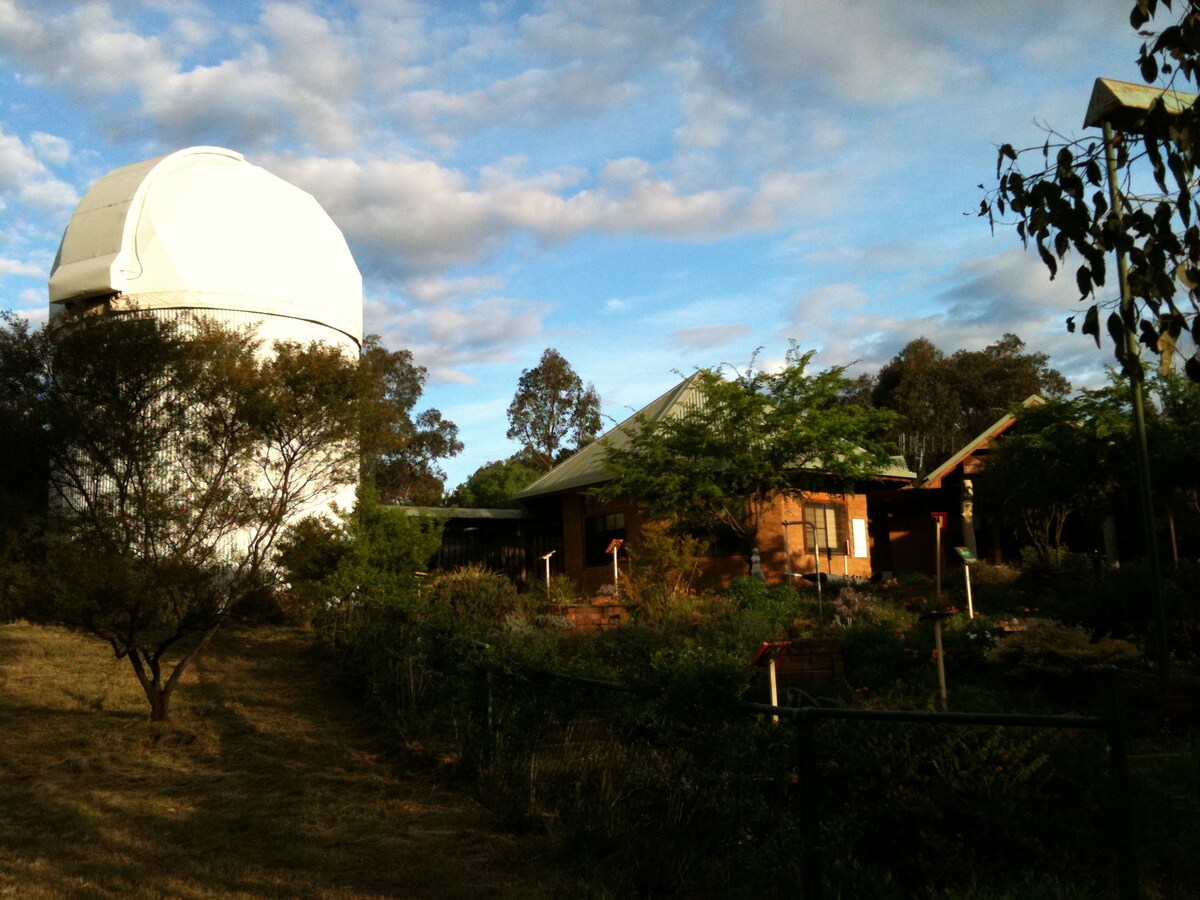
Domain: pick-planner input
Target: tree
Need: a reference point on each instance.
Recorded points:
(944, 401)
(178, 455)
(494, 485)
(23, 472)
(1065, 457)
(1063, 204)
(374, 553)
(747, 441)
(400, 449)
(552, 414)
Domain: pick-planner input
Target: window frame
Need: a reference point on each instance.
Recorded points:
(817, 514)
(596, 540)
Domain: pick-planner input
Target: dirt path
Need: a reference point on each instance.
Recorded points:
(268, 783)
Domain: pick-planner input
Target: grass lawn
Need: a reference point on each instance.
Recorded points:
(268, 782)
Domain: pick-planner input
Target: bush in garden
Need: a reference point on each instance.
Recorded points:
(755, 612)
(968, 642)
(1049, 649)
(661, 578)
(668, 791)
(950, 805)
(560, 591)
(475, 593)
(879, 654)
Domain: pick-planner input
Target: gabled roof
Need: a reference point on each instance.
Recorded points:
(587, 467)
(985, 437)
(461, 512)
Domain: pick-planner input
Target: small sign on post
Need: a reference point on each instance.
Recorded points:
(614, 547)
(968, 559)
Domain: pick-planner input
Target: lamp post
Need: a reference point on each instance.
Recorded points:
(787, 552)
(1126, 105)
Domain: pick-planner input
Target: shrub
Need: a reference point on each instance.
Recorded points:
(878, 655)
(560, 591)
(662, 576)
(1047, 648)
(474, 592)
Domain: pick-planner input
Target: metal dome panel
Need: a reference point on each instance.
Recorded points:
(204, 229)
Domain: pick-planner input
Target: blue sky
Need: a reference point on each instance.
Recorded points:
(645, 186)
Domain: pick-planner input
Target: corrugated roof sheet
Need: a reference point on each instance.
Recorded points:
(462, 512)
(587, 467)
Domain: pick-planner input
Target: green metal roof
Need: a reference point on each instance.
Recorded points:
(587, 467)
(461, 512)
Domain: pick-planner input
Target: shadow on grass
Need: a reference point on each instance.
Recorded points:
(267, 783)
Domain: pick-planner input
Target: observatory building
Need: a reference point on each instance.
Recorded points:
(202, 231)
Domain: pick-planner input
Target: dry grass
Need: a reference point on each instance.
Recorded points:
(267, 783)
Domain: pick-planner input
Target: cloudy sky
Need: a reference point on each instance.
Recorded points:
(646, 185)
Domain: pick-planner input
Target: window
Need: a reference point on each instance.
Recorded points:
(829, 522)
(598, 532)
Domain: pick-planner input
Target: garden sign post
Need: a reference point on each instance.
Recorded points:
(968, 559)
(939, 522)
(614, 547)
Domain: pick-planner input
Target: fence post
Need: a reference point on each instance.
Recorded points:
(1123, 831)
(806, 776)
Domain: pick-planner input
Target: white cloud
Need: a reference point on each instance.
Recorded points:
(50, 147)
(870, 52)
(17, 267)
(706, 337)
(416, 217)
(437, 289)
(25, 178)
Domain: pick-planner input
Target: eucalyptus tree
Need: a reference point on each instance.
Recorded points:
(552, 414)
(178, 454)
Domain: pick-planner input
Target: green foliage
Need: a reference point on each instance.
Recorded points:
(667, 790)
(552, 414)
(560, 591)
(400, 448)
(1062, 458)
(746, 441)
(375, 552)
(494, 485)
(944, 401)
(1061, 203)
(476, 594)
(661, 577)
(1047, 648)
(878, 655)
(23, 452)
(913, 801)
(178, 456)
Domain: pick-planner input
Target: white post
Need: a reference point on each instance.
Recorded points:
(970, 603)
(774, 688)
(938, 560)
(616, 572)
(941, 664)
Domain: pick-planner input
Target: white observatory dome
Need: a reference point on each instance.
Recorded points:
(204, 230)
